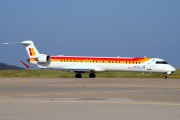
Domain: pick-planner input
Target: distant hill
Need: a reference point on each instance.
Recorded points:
(4, 66)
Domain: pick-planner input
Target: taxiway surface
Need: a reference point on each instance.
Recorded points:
(85, 99)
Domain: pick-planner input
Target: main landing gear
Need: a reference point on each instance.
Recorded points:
(79, 75)
(92, 75)
(165, 76)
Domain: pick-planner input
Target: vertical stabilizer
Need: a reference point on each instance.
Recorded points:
(31, 49)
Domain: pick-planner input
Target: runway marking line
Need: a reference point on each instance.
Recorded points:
(60, 94)
(33, 95)
(25, 81)
(165, 90)
(156, 90)
(97, 102)
(86, 93)
(5, 96)
(132, 91)
(110, 92)
(175, 90)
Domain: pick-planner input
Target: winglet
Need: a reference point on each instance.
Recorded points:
(27, 66)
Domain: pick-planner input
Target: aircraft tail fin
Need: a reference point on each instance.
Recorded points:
(31, 49)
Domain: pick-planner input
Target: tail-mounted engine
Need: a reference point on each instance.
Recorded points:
(43, 58)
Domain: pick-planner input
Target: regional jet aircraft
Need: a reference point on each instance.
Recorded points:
(92, 65)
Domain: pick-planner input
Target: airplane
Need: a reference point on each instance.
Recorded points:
(92, 65)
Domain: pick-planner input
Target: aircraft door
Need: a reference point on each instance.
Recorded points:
(149, 66)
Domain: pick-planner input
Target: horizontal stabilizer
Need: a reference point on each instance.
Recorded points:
(13, 43)
(26, 65)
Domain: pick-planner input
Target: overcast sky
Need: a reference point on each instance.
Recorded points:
(128, 28)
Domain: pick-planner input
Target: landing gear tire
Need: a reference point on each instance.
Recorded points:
(92, 75)
(165, 76)
(78, 75)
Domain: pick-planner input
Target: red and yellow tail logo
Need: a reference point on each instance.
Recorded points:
(31, 52)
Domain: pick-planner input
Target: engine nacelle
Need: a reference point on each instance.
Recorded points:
(44, 58)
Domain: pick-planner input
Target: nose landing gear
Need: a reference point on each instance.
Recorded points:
(165, 76)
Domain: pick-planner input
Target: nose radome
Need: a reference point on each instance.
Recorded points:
(173, 69)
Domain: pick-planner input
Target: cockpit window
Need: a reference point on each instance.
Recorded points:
(161, 62)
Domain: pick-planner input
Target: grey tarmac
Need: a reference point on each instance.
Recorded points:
(86, 98)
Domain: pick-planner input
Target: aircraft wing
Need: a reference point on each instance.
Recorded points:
(77, 70)
(81, 69)
(69, 69)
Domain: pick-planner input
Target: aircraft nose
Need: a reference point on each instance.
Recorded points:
(173, 69)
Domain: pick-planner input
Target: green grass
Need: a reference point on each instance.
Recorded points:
(63, 74)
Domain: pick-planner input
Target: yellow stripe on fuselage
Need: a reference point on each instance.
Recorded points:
(117, 61)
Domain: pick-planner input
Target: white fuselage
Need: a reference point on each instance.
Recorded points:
(90, 63)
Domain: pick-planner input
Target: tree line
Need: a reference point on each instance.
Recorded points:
(4, 66)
